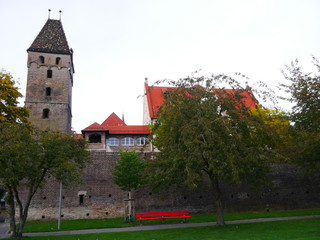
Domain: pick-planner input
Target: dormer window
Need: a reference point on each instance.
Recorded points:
(48, 92)
(41, 59)
(58, 60)
(49, 74)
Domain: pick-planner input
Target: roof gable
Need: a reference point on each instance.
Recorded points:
(51, 39)
(114, 125)
(94, 127)
(113, 120)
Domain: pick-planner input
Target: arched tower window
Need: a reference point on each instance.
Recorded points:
(49, 74)
(41, 59)
(48, 92)
(58, 60)
(95, 138)
(45, 113)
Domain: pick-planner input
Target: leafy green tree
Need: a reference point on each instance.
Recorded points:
(212, 133)
(9, 95)
(279, 122)
(128, 174)
(27, 157)
(304, 93)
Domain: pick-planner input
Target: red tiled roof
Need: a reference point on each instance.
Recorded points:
(248, 99)
(114, 125)
(143, 129)
(113, 120)
(94, 127)
(77, 136)
(155, 98)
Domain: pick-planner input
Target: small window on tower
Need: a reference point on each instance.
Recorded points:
(48, 92)
(41, 59)
(45, 113)
(58, 60)
(49, 74)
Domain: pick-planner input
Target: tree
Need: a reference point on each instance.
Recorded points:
(278, 120)
(27, 157)
(212, 133)
(128, 174)
(304, 93)
(9, 94)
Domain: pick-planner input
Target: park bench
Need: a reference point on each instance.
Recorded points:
(162, 215)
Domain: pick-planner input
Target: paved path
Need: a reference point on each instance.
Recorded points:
(4, 227)
(3, 234)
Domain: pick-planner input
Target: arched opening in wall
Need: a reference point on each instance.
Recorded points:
(41, 59)
(81, 199)
(45, 113)
(95, 138)
(48, 92)
(49, 74)
(58, 60)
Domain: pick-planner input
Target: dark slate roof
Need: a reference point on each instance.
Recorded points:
(51, 39)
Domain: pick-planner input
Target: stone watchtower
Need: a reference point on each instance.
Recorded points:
(50, 79)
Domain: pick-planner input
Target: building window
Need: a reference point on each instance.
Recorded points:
(142, 141)
(45, 113)
(49, 74)
(95, 138)
(128, 141)
(41, 59)
(113, 142)
(48, 92)
(58, 60)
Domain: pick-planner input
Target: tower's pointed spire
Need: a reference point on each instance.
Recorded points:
(51, 39)
(123, 117)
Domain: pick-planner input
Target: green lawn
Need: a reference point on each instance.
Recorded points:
(49, 226)
(306, 229)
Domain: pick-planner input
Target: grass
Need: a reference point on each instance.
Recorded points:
(305, 229)
(50, 226)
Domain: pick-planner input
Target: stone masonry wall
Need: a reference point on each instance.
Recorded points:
(99, 197)
(58, 101)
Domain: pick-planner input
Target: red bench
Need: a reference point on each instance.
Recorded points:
(162, 215)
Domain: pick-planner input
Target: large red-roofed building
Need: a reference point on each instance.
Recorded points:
(114, 134)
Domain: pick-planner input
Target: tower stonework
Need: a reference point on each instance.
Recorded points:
(50, 79)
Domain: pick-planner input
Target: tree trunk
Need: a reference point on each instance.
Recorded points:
(23, 209)
(218, 202)
(12, 212)
(22, 221)
(130, 207)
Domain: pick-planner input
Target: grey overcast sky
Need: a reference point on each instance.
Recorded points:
(117, 43)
